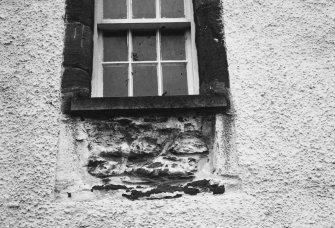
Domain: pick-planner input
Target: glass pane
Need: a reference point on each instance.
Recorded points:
(144, 45)
(115, 80)
(144, 9)
(145, 80)
(172, 8)
(174, 79)
(173, 45)
(115, 9)
(115, 46)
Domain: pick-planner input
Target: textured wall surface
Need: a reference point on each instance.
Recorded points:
(171, 154)
(281, 63)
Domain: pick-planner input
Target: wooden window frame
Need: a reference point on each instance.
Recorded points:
(130, 24)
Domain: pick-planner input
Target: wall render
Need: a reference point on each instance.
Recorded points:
(281, 65)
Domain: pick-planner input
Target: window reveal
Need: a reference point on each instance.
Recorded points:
(144, 48)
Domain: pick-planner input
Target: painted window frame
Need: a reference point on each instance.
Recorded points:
(130, 24)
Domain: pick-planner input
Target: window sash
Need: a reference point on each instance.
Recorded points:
(176, 23)
(99, 10)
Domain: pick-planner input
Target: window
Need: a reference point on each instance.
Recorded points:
(144, 48)
(161, 23)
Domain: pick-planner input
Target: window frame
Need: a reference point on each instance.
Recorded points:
(76, 77)
(130, 24)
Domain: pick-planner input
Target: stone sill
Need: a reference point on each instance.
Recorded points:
(141, 105)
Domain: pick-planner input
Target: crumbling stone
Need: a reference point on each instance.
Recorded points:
(149, 154)
(167, 167)
(144, 146)
(206, 184)
(80, 133)
(102, 168)
(192, 188)
(189, 143)
(110, 151)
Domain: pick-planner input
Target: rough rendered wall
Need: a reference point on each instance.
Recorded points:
(282, 64)
(281, 58)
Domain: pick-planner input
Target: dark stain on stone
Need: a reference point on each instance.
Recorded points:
(189, 127)
(191, 191)
(106, 180)
(124, 122)
(205, 184)
(155, 119)
(116, 154)
(161, 174)
(171, 158)
(167, 197)
(192, 188)
(136, 157)
(155, 165)
(94, 163)
(109, 187)
(159, 189)
(216, 189)
(69, 195)
(170, 131)
(144, 127)
(199, 183)
(181, 119)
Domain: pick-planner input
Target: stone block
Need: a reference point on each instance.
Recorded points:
(212, 57)
(78, 47)
(75, 79)
(80, 11)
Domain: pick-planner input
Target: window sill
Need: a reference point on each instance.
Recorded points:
(144, 24)
(140, 105)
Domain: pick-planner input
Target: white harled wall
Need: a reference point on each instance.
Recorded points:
(281, 64)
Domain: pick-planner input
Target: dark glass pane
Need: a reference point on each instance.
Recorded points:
(145, 80)
(144, 8)
(115, 80)
(115, 46)
(172, 8)
(144, 45)
(173, 45)
(115, 9)
(174, 79)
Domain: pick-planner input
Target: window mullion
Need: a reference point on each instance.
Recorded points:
(130, 66)
(187, 8)
(159, 65)
(189, 69)
(158, 12)
(130, 9)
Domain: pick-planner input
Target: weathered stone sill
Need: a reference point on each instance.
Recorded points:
(124, 105)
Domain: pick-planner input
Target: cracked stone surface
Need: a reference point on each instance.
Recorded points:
(146, 150)
(167, 167)
(189, 143)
